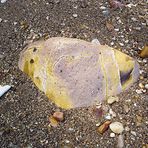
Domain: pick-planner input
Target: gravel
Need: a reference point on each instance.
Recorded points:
(25, 111)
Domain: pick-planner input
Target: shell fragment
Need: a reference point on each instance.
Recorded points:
(4, 89)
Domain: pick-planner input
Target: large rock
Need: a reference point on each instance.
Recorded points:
(76, 73)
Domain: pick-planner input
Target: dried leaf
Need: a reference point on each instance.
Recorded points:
(104, 127)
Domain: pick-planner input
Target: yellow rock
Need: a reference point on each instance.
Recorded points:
(75, 73)
(144, 52)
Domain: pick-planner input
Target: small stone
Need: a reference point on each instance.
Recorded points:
(113, 114)
(98, 124)
(53, 121)
(146, 86)
(3, 1)
(15, 23)
(126, 108)
(120, 142)
(1, 20)
(138, 91)
(109, 26)
(126, 41)
(116, 29)
(144, 60)
(138, 120)
(141, 85)
(105, 12)
(133, 19)
(116, 127)
(58, 116)
(102, 7)
(121, 44)
(112, 99)
(127, 129)
(95, 41)
(144, 52)
(108, 117)
(104, 127)
(112, 135)
(75, 15)
(112, 43)
(133, 133)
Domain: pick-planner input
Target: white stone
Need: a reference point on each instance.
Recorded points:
(112, 135)
(96, 41)
(120, 142)
(127, 129)
(112, 43)
(98, 124)
(133, 133)
(102, 7)
(113, 114)
(138, 91)
(75, 15)
(108, 117)
(146, 86)
(116, 29)
(3, 1)
(121, 44)
(1, 20)
(116, 127)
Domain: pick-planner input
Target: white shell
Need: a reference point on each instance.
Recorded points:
(4, 89)
(116, 127)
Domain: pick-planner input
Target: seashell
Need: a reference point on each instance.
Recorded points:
(116, 127)
(4, 89)
(76, 73)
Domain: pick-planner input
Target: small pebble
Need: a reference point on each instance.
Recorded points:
(116, 29)
(116, 127)
(138, 91)
(141, 85)
(112, 135)
(113, 114)
(112, 43)
(126, 41)
(120, 142)
(133, 133)
(108, 117)
(121, 44)
(1, 20)
(59, 116)
(75, 15)
(106, 12)
(146, 86)
(102, 7)
(95, 41)
(133, 19)
(3, 1)
(98, 124)
(127, 129)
